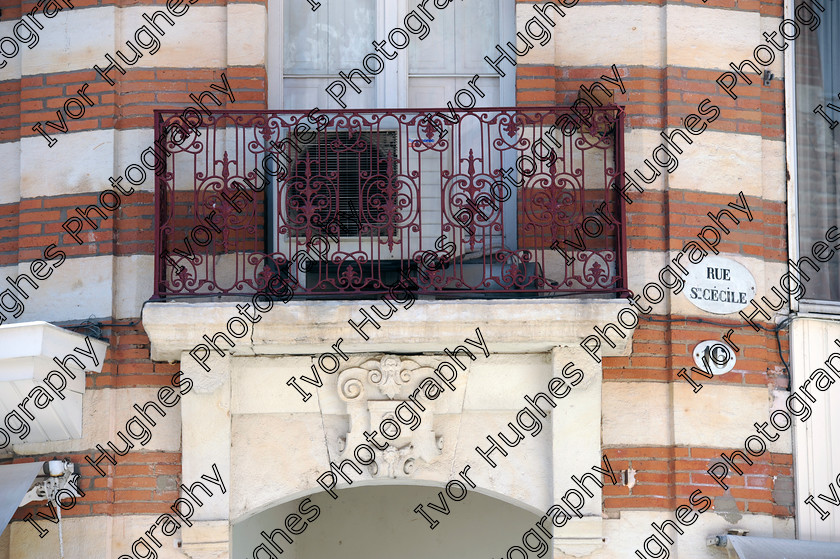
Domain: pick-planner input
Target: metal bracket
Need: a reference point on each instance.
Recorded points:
(49, 488)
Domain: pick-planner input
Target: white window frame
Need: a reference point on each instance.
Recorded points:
(391, 85)
(805, 305)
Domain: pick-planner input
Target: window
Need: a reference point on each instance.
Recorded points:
(817, 145)
(459, 39)
(314, 47)
(340, 184)
(365, 189)
(317, 45)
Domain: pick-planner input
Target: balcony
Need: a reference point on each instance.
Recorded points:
(496, 203)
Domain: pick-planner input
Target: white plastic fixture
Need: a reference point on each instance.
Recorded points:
(62, 477)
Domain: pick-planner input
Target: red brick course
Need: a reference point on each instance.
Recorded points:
(769, 8)
(128, 104)
(12, 9)
(666, 476)
(668, 220)
(33, 224)
(127, 361)
(140, 483)
(662, 346)
(655, 98)
(660, 98)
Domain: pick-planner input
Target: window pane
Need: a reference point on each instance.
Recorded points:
(335, 37)
(435, 92)
(477, 34)
(818, 149)
(436, 53)
(461, 36)
(305, 93)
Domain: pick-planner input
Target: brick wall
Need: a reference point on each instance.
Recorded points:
(127, 104)
(659, 98)
(666, 476)
(663, 345)
(665, 218)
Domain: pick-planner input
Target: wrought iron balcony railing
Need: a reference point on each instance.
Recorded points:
(484, 202)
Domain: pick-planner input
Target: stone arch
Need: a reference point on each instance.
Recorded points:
(376, 520)
(418, 481)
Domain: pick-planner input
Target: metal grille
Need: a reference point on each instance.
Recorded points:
(348, 160)
(378, 194)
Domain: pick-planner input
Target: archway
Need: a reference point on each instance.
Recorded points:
(379, 522)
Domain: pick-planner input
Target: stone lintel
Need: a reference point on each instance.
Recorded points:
(311, 327)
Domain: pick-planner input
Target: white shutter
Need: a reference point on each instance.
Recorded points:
(816, 441)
